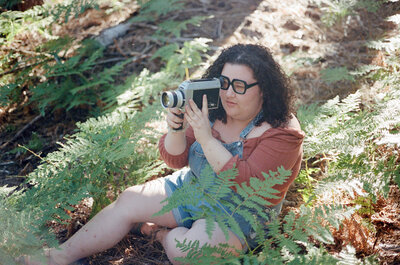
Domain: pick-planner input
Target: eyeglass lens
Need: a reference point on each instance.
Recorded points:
(239, 86)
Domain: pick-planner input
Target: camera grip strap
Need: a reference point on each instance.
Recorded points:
(180, 127)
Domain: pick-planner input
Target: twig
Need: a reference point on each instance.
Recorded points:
(171, 40)
(132, 59)
(23, 67)
(378, 233)
(119, 49)
(219, 29)
(21, 131)
(4, 171)
(148, 47)
(28, 52)
(144, 25)
(7, 163)
(153, 261)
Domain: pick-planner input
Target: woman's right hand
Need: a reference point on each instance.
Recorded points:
(175, 119)
(175, 141)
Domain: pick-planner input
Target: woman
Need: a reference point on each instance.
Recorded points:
(253, 129)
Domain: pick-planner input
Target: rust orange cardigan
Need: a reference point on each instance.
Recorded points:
(274, 148)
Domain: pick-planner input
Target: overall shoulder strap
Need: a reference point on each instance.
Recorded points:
(251, 125)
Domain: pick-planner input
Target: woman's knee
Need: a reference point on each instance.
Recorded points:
(152, 190)
(139, 203)
(128, 195)
(170, 241)
(198, 232)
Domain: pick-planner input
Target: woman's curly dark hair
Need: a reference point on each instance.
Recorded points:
(274, 84)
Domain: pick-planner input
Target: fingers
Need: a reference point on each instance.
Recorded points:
(175, 111)
(190, 109)
(175, 118)
(193, 109)
(204, 110)
(194, 115)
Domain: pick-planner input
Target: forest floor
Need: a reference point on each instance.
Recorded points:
(298, 39)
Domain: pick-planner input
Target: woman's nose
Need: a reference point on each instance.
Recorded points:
(230, 91)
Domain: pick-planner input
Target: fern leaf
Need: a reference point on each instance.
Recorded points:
(166, 51)
(161, 7)
(390, 45)
(333, 75)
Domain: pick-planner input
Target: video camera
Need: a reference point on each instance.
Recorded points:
(193, 89)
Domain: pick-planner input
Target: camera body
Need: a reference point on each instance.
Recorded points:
(193, 89)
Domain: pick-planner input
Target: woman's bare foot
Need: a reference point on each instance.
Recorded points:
(153, 231)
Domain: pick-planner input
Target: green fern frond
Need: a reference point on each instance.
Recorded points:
(344, 132)
(166, 51)
(160, 7)
(71, 82)
(39, 18)
(248, 200)
(180, 61)
(365, 69)
(336, 125)
(335, 10)
(336, 74)
(390, 45)
(176, 27)
(205, 254)
(295, 234)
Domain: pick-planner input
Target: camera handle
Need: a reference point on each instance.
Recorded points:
(180, 116)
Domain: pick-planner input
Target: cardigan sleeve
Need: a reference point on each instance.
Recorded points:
(176, 161)
(276, 147)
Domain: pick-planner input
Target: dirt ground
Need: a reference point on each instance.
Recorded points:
(292, 29)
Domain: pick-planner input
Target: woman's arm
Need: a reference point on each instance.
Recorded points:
(174, 161)
(174, 146)
(216, 154)
(276, 147)
(175, 141)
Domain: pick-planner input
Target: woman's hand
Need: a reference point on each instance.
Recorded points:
(199, 121)
(175, 141)
(175, 119)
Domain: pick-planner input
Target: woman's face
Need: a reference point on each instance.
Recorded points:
(241, 106)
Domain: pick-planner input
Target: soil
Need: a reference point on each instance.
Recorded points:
(298, 39)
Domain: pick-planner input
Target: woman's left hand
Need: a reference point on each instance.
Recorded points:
(199, 121)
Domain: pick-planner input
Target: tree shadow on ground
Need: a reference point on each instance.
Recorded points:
(344, 44)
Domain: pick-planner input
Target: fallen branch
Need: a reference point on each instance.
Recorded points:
(107, 36)
(18, 134)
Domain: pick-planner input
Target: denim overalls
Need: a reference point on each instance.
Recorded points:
(197, 162)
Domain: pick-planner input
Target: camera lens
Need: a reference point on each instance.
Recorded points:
(165, 100)
(172, 99)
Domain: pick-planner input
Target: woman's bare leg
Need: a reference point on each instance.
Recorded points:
(197, 232)
(109, 226)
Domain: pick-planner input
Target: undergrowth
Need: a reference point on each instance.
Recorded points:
(336, 11)
(112, 151)
(115, 150)
(52, 77)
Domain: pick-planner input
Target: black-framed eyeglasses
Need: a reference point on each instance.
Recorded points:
(239, 86)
